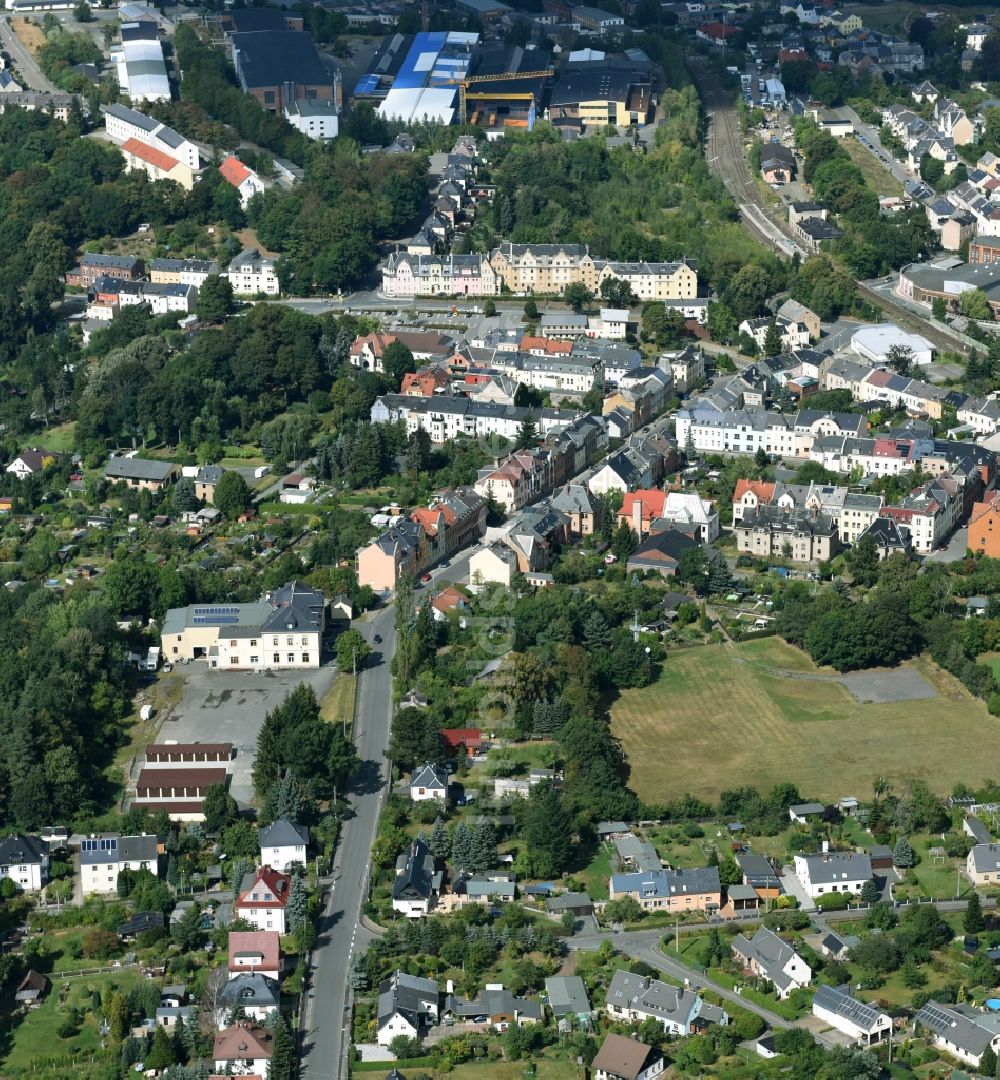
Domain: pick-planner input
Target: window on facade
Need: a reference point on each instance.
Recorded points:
(277, 658)
(234, 659)
(305, 658)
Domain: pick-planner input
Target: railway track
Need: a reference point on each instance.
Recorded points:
(727, 158)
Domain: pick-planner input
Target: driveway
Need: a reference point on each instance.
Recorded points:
(793, 887)
(229, 706)
(955, 550)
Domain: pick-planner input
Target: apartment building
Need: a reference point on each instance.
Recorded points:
(931, 513)
(799, 534)
(123, 124)
(447, 416)
(406, 274)
(522, 478)
(549, 268)
(670, 890)
(736, 432)
(94, 266)
(251, 274)
(181, 271)
(102, 858)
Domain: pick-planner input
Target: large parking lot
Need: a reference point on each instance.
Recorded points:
(221, 706)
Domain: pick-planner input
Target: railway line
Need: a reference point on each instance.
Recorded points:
(727, 158)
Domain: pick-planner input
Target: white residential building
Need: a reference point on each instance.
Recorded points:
(318, 120)
(769, 957)
(251, 274)
(283, 844)
(737, 432)
(102, 858)
(861, 1023)
(832, 871)
(122, 124)
(689, 510)
(25, 860)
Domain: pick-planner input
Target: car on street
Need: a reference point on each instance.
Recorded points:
(377, 639)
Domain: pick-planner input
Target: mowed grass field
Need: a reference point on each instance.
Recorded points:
(713, 722)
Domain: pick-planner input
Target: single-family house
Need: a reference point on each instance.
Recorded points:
(31, 462)
(429, 782)
(283, 844)
(661, 551)
(861, 1023)
(838, 945)
(244, 1049)
(459, 741)
(982, 864)
(621, 1058)
(974, 827)
(567, 996)
(417, 884)
(833, 871)
(262, 898)
(140, 474)
(802, 812)
(407, 1005)
(501, 1009)
(255, 952)
(693, 889)
(634, 998)
(769, 957)
(25, 860)
(102, 858)
(31, 989)
(259, 996)
(576, 903)
(959, 1030)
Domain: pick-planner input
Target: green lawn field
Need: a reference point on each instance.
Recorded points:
(717, 719)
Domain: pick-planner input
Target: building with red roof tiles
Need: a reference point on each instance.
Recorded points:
(461, 740)
(243, 178)
(262, 898)
(640, 508)
(156, 164)
(255, 951)
(543, 346)
(366, 352)
(244, 1049)
(750, 494)
(449, 599)
(426, 382)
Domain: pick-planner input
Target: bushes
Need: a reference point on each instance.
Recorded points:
(835, 901)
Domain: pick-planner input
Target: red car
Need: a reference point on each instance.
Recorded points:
(425, 577)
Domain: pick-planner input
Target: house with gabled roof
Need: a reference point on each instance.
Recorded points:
(244, 1049)
(861, 1023)
(833, 871)
(407, 1005)
(769, 957)
(417, 884)
(961, 1031)
(254, 952)
(262, 898)
(257, 995)
(634, 998)
(25, 860)
(429, 782)
(692, 889)
(621, 1058)
(32, 461)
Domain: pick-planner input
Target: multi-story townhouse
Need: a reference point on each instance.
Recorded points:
(931, 513)
(737, 432)
(405, 274)
(251, 273)
(447, 416)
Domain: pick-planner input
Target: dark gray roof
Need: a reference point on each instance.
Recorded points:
(415, 879)
(282, 833)
(433, 776)
(135, 468)
(20, 848)
(839, 1001)
(567, 995)
(274, 57)
(295, 606)
(409, 995)
(839, 866)
(958, 1029)
(251, 989)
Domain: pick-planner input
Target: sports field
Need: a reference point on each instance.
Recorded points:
(719, 718)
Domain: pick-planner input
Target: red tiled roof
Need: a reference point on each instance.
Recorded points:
(234, 171)
(197, 779)
(761, 488)
(266, 943)
(469, 737)
(277, 883)
(150, 154)
(447, 599)
(652, 503)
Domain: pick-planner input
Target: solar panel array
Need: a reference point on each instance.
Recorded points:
(935, 1018)
(216, 616)
(100, 843)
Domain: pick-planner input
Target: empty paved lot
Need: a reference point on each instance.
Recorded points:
(229, 706)
(895, 684)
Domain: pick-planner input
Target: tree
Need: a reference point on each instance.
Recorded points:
(439, 843)
(617, 292)
(869, 892)
(288, 800)
(397, 361)
(297, 906)
(939, 308)
(772, 339)
(931, 170)
(577, 295)
(161, 1054)
(352, 650)
(219, 807)
(489, 307)
(973, 921)
(186, 931)
(624, 541)
(527, 433)
(128, 586)
(215, 299)
(693, 568)
(899, 357)
(720, 577)
(283, 1064)
(232, 495)
(461, 848)
(760, 459)
(483, 846)
(902, 853)
(118, 1017)
(531, 308)
(975, 304)
(82, 12)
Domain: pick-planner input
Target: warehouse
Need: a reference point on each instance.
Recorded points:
(426, 85)
(600, 95)
(142, 71)
(876, 342)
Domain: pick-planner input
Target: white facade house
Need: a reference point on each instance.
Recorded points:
(769, 957)
(407, 1005)
(318, 120)
(25, 860)
(689, 509)
(829, 872)
(495, 564)
(283, 844)
(261, 899)
(861, 1023)
(103, 858)
(429, 782)
(251, 274)
(122, 124)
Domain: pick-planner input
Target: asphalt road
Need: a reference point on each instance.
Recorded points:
(324, 1021)
(26, 71)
